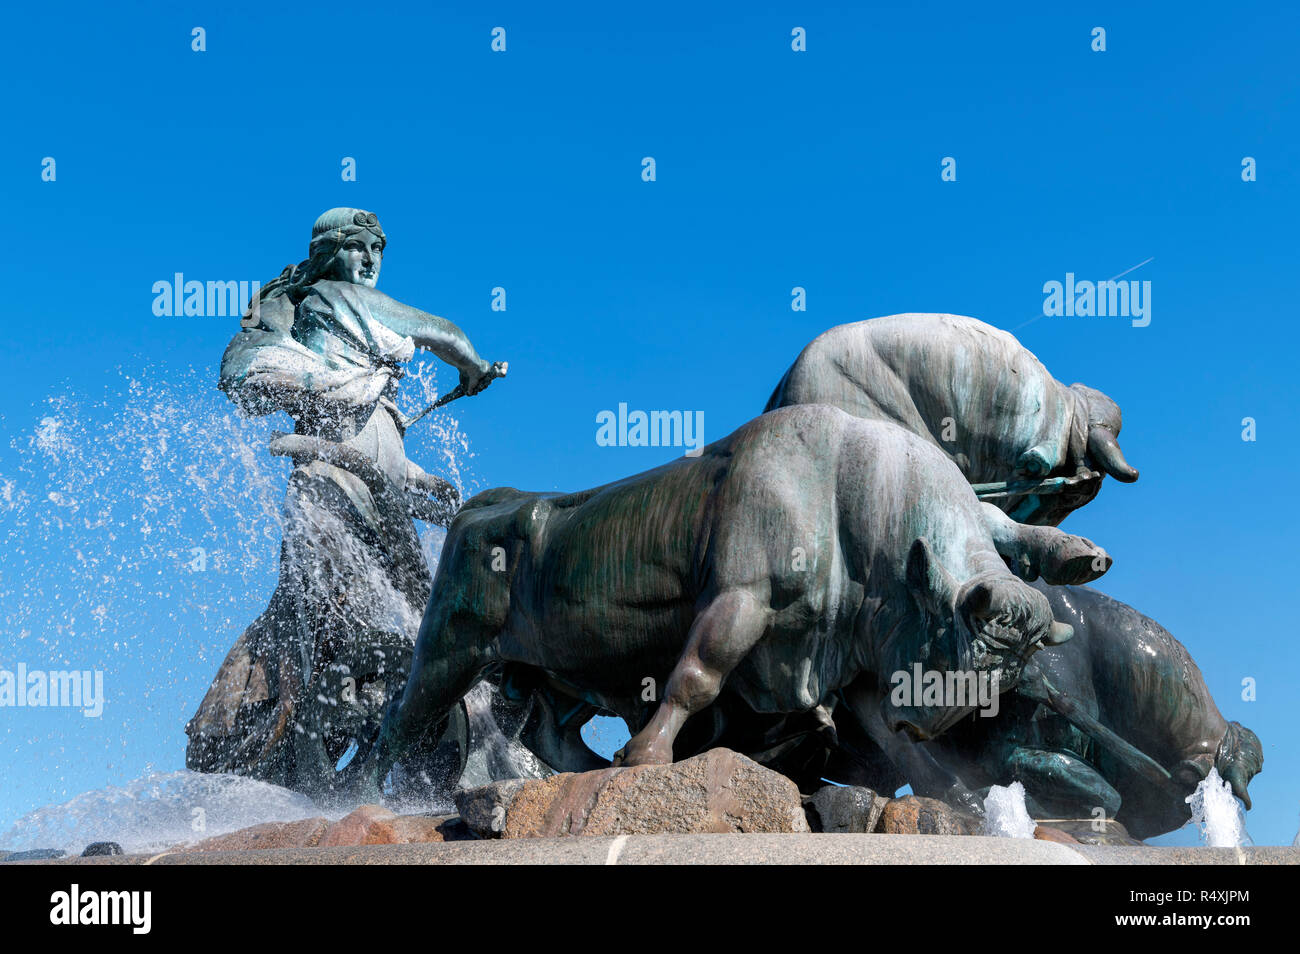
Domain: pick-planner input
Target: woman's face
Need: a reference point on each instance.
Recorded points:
(359, 259)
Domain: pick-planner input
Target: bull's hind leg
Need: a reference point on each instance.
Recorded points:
(1063, 783)
(1059, 558)
(721, 636)
(915, 761)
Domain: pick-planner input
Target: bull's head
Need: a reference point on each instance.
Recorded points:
(1092, 453)
(1104, 422)
(992, 623)
(1238, 758)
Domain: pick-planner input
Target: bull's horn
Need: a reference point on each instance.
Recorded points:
(1104, 451)
(1234, 780)
(1240, 757)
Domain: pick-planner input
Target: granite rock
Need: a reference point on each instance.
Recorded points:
(1088, 831)
(376, 825)
(717, 792)
(1048, 833)
(914, 815)
(97, 848)
(367, 825)
(845, 808)
(305, 833)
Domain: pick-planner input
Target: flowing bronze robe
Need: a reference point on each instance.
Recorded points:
(316, 669)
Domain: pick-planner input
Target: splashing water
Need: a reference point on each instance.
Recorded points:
(1217, 813)
(157, 812)
(1005, 814)
(139, 536)
(437, 442)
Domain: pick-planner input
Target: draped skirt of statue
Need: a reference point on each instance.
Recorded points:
(317, 669)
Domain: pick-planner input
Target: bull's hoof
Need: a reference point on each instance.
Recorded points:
(644, 754)
(1075, 562)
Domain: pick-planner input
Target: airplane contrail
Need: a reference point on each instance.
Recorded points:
(1111, 279)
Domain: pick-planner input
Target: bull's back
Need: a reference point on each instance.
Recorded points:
(1149, 688)
(631, 541)
(935, 375)
(669, 532)
(622, 570)
(607, 578)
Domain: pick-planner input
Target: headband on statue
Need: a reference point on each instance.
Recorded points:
(334, 227)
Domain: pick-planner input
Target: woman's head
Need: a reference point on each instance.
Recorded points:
(347, 245)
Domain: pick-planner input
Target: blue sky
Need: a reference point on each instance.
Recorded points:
(522, 170)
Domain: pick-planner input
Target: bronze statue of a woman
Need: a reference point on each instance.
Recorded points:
(317, 668)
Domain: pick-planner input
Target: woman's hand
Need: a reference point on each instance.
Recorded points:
(479, 375)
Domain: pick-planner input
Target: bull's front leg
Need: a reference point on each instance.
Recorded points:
(721, 636)
(1059, 558)
(451, 653)
(917, 764)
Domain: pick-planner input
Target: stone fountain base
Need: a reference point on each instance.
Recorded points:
(716, 808)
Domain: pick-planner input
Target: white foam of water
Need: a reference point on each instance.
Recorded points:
(140, 534)
(1218, 814)
(113, 507)
(158, 811)
(1005, 814)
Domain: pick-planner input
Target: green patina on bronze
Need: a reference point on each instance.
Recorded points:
(806, 551)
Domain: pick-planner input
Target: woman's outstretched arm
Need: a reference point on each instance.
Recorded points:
(442, 337)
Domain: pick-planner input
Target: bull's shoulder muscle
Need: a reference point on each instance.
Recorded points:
(1129, 645)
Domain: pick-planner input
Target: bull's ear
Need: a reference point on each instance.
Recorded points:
(932, 585)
